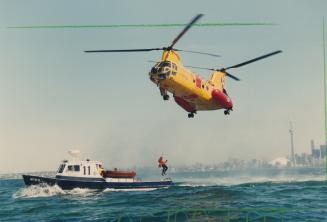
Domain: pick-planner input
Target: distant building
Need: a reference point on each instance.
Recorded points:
(293, 159)
(322, 151)
(316, 154)
(280, 162)
(312, 142)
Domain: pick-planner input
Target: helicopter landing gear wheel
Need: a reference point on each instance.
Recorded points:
(227, 112)
(164, 94)
(165, 97)
(191, 114)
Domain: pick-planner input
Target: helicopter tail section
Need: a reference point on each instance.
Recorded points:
(218, 80)
(219, 94)
(222, 99)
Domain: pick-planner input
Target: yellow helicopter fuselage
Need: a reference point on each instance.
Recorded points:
(189, 90)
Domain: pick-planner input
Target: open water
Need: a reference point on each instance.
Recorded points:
(248, 195)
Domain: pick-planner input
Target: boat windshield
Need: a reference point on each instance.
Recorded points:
(73, 168)
(61, 168)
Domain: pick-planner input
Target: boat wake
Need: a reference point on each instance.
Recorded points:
(130, 190)
(231, 181)
(38, 191)
(35, 191)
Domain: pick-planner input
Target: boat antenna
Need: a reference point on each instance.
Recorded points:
(75, 154)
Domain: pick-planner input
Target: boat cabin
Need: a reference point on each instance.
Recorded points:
(82, 168)
(91, 169)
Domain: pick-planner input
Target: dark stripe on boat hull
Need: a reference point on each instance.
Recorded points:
(36, 180)
(68, 184)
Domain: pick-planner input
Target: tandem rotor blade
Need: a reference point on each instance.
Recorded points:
(227, 74)
(196, 18)
(231, 76)
(126, 50)
(252, 60)
(121, 26)
(197, 67)
(196, 52)
(147, 50)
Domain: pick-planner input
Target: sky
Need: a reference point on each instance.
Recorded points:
(54, 97)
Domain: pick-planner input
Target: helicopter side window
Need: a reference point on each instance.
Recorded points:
(174, 69)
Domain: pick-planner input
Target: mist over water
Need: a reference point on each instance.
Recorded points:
(264, 192)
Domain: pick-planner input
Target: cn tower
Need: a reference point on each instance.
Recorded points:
(292, 144)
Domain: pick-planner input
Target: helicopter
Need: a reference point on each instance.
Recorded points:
(190, 90)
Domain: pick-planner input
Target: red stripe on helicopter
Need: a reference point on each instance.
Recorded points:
(184, 104)
(198, 81)
(192, 96)
(223, 100)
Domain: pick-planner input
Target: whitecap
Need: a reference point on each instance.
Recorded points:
(38, 191)
(129, 189)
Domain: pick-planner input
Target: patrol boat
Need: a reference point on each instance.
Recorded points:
(90, 174)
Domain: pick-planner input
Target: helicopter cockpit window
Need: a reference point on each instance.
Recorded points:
(161, 68)
(154, 69)
(164, 67)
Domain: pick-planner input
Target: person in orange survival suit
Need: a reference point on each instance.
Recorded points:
(162, 163)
